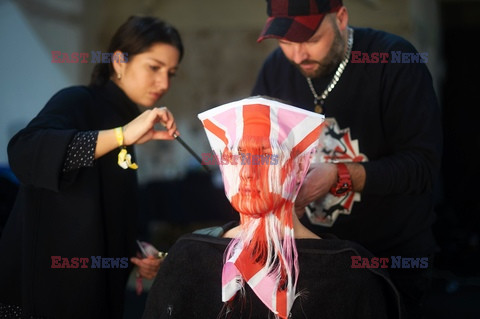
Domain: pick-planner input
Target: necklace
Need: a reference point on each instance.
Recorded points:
(318, 101)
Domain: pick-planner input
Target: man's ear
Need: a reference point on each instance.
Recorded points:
(342, 18)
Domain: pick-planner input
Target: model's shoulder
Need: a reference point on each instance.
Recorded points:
(335, 245)
(190, 246)
(202, 238)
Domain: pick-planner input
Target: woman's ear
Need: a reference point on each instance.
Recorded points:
(119, 63)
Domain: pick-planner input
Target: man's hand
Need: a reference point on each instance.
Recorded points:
(316, 185)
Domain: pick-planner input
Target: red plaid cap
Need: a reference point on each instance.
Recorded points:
(296, 20)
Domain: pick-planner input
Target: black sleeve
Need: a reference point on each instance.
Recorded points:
(37, 153)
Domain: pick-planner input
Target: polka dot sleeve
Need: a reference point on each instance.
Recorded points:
(81, 151)
(13, 312)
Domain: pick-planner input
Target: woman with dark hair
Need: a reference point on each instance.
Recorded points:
(66, 248)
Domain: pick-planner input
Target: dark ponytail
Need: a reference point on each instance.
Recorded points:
(100, 74)
(136, 36)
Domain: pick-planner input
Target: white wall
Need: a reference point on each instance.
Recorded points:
(27, 76)
(220, 64)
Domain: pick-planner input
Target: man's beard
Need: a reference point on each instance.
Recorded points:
(331, 60)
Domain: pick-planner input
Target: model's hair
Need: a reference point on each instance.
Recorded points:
(136, 36)
(266, 225)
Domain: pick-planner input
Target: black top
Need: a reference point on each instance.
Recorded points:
(189, 283)
(391, 112)
(85, 212)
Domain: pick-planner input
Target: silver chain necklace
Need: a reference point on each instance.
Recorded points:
(318, 101)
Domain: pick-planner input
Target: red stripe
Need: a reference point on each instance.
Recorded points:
(256, 120)
(307, 141)
(216, 131)
(247, 267)
(299, 148)
(282, 303)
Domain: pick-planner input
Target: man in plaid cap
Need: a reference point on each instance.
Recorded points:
(380, 152)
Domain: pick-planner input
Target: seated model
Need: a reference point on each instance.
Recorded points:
(268, 265)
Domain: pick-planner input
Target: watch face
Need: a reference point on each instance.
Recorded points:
(344, 183)
(342, 190)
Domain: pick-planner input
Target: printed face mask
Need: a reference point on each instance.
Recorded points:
(264, 148)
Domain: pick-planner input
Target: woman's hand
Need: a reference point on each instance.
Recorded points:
(139, 130)
(147, 267)
(142, 128)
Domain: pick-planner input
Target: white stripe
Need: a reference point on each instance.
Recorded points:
(258, 277)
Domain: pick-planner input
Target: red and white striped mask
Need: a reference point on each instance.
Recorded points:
(264, 147)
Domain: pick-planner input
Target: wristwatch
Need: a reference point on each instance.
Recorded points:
(344, 181)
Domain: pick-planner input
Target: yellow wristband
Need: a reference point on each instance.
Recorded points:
(124, 159)
(119, 135)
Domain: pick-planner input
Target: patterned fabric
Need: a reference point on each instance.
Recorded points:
(296, 20)
(13, 312)
(81, 151)
(264, 147)
(336, 145)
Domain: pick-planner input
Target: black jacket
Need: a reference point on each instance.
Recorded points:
(87, 212)
(394, 120)
(189, 284)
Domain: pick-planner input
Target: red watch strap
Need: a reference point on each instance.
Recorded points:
(344, 182)
(343, 172)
